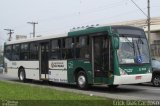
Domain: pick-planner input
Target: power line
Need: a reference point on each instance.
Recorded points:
(92, 21)
(139, 8)
(88, 11)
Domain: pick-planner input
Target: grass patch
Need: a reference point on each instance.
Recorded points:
(35, 95)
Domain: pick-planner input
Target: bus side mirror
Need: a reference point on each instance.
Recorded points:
(115, 41)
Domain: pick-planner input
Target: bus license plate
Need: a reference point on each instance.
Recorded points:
(138, 77)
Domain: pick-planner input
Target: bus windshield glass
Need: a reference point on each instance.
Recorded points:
(133, 50)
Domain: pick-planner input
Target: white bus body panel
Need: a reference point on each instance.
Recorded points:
(58, 71)
(131, 79)
(31, 68)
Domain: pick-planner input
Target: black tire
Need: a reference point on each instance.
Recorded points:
(81, 80)
(22, 75)
(156, 80)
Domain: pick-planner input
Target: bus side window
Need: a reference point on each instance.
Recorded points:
(55, 49)
(77, 48)
(33, 51)
(82, 47)
(68, 45)
(8, 52)
(63, 49)
(24, 55)
(16, 52)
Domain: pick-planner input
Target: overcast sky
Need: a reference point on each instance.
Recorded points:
(59, 16)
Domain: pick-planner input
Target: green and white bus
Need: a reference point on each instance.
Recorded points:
(111, 55)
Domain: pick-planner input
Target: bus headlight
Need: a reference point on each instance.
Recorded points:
(149, 71)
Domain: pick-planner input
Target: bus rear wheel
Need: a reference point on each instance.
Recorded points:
(22, 76)
(82, 80)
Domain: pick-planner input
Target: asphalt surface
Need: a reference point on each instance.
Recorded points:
(123, 92)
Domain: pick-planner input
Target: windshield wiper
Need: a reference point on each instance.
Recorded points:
(129, 42)
(140, 41)
(138, 48)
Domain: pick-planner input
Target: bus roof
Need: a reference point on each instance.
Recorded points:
(90, 30)
(108, 29)
(36, 39)
(73, 33)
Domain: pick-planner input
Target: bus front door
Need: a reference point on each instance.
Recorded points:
(101, 56)
(44, 54)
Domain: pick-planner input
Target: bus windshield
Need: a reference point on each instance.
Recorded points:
(133, 50)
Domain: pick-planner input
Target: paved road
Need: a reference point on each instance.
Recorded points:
(6, 77)
(127, 92)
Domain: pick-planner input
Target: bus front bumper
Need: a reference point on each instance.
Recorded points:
(132, 79)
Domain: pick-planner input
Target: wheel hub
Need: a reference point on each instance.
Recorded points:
(21, 76)
(81, 80)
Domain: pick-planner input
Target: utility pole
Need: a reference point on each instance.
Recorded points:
(10, 33)
(148, 18)
(33, 23)
(149, 23)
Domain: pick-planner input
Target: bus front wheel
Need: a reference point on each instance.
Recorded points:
(82, 80)
(22, 76)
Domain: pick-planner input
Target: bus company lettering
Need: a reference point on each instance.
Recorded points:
(128, 70)
(57, 64)
(58, 80)
(142, 69)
